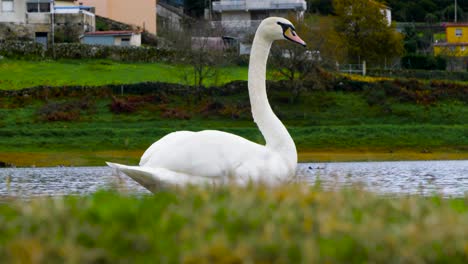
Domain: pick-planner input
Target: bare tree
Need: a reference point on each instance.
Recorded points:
(204, 50)
(298, 64)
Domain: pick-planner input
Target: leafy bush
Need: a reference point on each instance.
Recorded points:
(423, 62)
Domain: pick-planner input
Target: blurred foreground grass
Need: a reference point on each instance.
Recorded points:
(291, 224)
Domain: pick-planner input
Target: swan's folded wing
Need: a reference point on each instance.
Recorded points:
(155, 179)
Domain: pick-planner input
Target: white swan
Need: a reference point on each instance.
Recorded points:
(213, 156)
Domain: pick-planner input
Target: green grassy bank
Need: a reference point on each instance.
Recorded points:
(344, 128)
(20, 74)
(93, 143)
(290, 224)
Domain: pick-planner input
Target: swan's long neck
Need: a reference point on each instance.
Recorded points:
(276, 135)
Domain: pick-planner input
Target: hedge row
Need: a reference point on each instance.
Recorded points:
(402, 90)
(420, 74)
(32, 50)
(423, 62)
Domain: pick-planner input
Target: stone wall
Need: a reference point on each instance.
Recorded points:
(16, 31)
(22, 49)
(32, 50)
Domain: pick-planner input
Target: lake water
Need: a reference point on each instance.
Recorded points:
(447, 178)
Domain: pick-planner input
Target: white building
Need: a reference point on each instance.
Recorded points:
(39, 20)
(241, 15)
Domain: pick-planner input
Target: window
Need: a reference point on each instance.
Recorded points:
(38, 6)
(125, 42)
(458, 32)
(7, 6)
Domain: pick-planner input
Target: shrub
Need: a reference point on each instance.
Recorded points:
(423, 62)
(176, 113)
(130, 104)
(122, 106)
(65, 111)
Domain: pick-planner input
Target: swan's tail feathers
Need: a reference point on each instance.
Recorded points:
(155, 179)
(139, 174)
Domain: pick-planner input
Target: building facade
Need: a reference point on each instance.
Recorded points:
(141, 13)
(456, 41)
(455, 46)
(43, 20)
(237, 16)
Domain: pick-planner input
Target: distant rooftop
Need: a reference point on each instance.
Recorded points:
(451, 24)
(110, 33)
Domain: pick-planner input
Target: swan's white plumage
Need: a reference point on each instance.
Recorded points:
(209, 156)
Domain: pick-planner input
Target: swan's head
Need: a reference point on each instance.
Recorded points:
(277, 28)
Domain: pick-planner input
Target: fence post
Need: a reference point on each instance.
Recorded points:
(364, 70)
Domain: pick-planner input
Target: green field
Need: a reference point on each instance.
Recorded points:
(290, 224)
(19, 74)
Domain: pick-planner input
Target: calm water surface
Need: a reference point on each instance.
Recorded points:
(448, 178)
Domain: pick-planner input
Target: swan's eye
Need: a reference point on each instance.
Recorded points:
(286, 27)
(289, 33)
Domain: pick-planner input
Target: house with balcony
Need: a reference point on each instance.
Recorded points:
(455, 46)
(244, 16)
(44, 20)
(456, 41)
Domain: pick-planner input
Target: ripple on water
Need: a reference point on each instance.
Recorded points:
(27, 182)
(448, 178)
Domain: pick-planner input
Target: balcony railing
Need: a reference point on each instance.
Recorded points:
(234, 5)
(236, 24)
(72, 10)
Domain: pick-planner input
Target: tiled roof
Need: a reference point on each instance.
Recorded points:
(445, 44)
(449, 24)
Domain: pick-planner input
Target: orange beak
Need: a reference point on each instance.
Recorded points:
(292, 36)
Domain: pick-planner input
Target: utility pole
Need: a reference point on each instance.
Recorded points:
(456, 11)
(52, 20)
